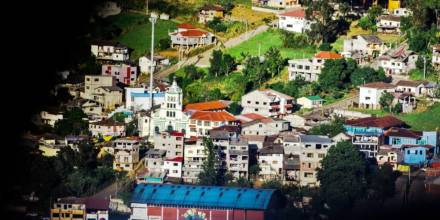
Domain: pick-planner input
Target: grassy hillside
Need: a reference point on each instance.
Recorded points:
(424, 121)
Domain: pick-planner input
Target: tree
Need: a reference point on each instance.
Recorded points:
(119, 117)
(107, 160)
(274, 61)
(192, 72)
(325, 47)
(336, 74)
(254, 171)
(234, 108)
(72, 123)
(214, 94)
(208, 175)
(217, 25)
(382, 183)
(164, 43)
(255, 71)
(385, 101)
(342, 177)
(364, 75)
(221, 64)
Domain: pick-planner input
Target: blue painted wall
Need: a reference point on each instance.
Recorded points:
(415, 155)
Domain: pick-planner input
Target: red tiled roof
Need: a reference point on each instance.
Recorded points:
(176, 133)
(401, 132)
(379, 85)
(175, 159)
(253, 116)
(417, 145)
(213, 116)
(298, 13)
(185, 26)
(411, 83)
(192, 33)
(328, 55)
(206, 106)
(382, 122)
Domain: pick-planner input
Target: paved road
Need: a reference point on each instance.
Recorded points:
(202, 60)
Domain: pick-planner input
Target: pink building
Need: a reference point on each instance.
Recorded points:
(123, 73)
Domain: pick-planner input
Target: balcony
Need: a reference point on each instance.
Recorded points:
(363, 139)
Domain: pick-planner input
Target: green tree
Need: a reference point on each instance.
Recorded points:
(214, 94)
(397, 108)
(254, 171)
(342, 177)
(107, 160)
(234, 108)
(331, 129)
(366, 75)
(274, 61)
(221, 64)
(255, 71)
(385, 101)
(382, 183)
(119, 117)
(335, 74)
(209, 173)
(164, 43)
(72, 123)
(217, 25)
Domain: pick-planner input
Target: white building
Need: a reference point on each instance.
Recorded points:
(92, 82)
(309, 69)
(126, 153)
(173, 167)
(267, 102)
(277, 3)
(398, 61)
(171, 142)
(170, 116)
(110, 51)
(194, 155)
(107, 127)
(294, 21)
(264, 127)
(363, 48)
(370, 93)
(416, 88)
(109, 97)
(123, 73)
(158, 61)
(201, 122)
(402, 12)
(310, 102)
(188, 36)
(51, 117)
(137, 99)
(388, 24)
(271, 159)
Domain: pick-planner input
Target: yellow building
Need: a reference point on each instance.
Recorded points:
(209, 12)
(393, 5)
(72, 208)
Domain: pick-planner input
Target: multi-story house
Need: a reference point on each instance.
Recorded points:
(267, 102)
(154, 164)
(363, 48)
(294, 21)
(51, 116)
(416, 88)
(370, 93)
(396, 137)
(436, 56)
(276, 3)
(209, 11)
(368, 133)
(123, 73)
(265, 127)
(310, 102)
(126, 153)
(200, 122)
(170, 117)
(388, 24)
(271, 161)
(419, 154)
(389, 155)
(172, 142)
(92, 82)
(402, 12)
(158, 62)
(187, 36)
(310, 69)
(194, 155)
(313, 150)
(107, 127)
(398, 61)
(172, 167)
(109, 97)
(72, 208)
(110, 51)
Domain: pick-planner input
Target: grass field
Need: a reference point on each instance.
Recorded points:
(136, 31)
(424, 121)
(266, 40)
(418, 75)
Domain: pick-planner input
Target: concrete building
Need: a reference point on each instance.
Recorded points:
(107, 127)
(313, 150)
(187, 36)
(194, 155)
(309, 69)
(172, 167)
(402, 12)
(50, 117)
(436, 56)
(123, 73)
(368, 133)
(73, 208)
(209, 11)
(158, 62)
(267, 102)
(294, 21)
(171, 142)
(92, 82)
(281, 4)
(109, 97)
(137, 99)
(271, 161)
(398, 61)
(416, 88)
(202, 121)
(370, 93)
(110, 51)
(388, 24)
(265, 127)
(126, 153)
(310, 102)
(363, 48)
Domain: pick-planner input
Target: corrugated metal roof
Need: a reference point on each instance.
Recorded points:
(202, 196)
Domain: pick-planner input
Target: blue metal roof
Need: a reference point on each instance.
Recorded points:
(202, 196)
(146, 94)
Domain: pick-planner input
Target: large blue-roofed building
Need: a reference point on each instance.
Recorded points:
(163, 201)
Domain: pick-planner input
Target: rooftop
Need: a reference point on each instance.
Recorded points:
(202, 196)
(175, 159)
(211, 7)
(314, 97)
(372, 39)
(108, 122)
(192, 33)
(185, 26)
(379, 122)
(379, 85)
(328, 55)
(90, 202)
(401, 132)
(271, 148)
(411, 83)
(390, 18)
(213, 116)
(207, 106)
(315, 138)
(298, 13)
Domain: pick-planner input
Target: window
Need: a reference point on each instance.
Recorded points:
(96, 80)
(318, 146)
(308, 175)
(274, 162)
(249, 102)
(257, 103)
(256, 109)
(321, 155)
(310, 155)
(308, 145)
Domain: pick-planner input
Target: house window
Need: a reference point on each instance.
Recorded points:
(310, 155)
(321, 155)
(257, 103)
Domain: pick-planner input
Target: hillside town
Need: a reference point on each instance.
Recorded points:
(262, 109)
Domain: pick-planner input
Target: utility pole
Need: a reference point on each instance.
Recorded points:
(259, 49)
(146, 6)
(152, 20)
(424, 67)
